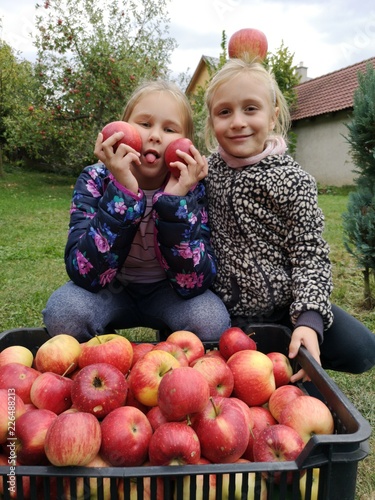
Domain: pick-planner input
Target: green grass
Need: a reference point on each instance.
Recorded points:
(34, 215)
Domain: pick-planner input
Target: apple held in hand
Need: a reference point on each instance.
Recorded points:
(254, 381)
(31, 430)
(58, 354)
(131, 135)
(126, 434)
(217, 373)
(182, 391)
(248, 42)
(235, 339)
(281, 398)
(308, 416)
(16, 354)
(190, 343)
(109, 348)
(51, 391)
(98, 389)
(174, 443)
(18, 377)
(73, 438)
(170, 154)
(282, 369)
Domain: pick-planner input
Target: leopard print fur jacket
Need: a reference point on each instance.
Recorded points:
(267, 235)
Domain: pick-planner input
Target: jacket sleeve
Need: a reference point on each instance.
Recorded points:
(183, 241)
(103, 223)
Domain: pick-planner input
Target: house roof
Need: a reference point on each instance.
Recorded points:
(328, 93)
(203, 63)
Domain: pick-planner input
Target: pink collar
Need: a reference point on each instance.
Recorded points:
(275, 145)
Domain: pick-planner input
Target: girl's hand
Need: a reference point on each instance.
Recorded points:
(119, 162)
(303, 335)
(190, 174)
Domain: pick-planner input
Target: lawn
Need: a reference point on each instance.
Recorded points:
(34, 214)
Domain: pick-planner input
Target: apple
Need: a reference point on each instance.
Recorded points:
(282, 369)
(281, 397)
(213, 353)
(234, 339)
(182, 392)
(31, 430)
(59, 354)
(156, 417)
(98, 389)
(131, 400)
(131, 135)
(80, 491)
(217, 373)
(278, 443)
(222, 429)
(196, 489)
(109, 348)
(310, 478)
(174, 443)
(11, 407)
(126, 434)
(308, 416)
(254, 381)
(189, 342)
(51, 391)
(73, 438)
(170, 154)
(16, 354)
(261, 418)
(152, 487)
(175, 350)
(146, 374)
(248, 42)
(140, 350)
(254, 490)
(18, 377)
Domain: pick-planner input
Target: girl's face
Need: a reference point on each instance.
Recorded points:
(159, 120)
(242, 115)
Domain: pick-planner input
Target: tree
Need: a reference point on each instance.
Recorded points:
(90, 57)
(359, 219)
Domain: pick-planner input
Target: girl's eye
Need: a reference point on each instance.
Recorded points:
(224, 112)
(170, 130)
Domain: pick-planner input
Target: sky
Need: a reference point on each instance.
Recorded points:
(323, 36)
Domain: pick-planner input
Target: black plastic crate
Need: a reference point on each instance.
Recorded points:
(335, 457)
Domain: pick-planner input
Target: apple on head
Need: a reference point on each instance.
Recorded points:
(131, 135)
(59, 354)
(16, 354)
(171, 155)
(109, 348)
(248, 42)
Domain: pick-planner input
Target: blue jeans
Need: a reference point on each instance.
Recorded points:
(83, 314)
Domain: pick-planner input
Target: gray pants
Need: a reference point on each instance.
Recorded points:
(83, 314)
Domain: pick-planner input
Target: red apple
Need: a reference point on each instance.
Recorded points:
(110, 348)
(170, 154)
(31, 430)
(222, 429)
(234, 339)
(173, 349)
(131, 400)
(156, 417)
(11, 408)
(308, 416)
(282, 369)
(254, 381)
(183, 391)
(189, 342)
(278, 443)
(73, 438)
(131, 135)
(213, 353)
(174, 443)
(18, 377)
(140, 350)
(281, 397)
(146, 374)
(248, 42)
(261, 418)
(16, 354)
(98, 389)
(217, 373)
(126, 434)
(51, 391)
(58, 354)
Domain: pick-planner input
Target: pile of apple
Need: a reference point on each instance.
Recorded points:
(109, 402)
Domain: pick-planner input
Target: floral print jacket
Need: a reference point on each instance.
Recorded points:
(104, 220)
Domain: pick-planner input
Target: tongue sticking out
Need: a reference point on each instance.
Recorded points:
(150, 157)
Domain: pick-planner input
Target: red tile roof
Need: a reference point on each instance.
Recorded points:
(328, 93)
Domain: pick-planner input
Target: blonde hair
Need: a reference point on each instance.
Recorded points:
(231, 69)
(163, 86)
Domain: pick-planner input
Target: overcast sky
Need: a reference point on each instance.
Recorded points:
(324, 36)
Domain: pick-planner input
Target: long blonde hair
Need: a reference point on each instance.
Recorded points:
(232, 68)
(162, 86)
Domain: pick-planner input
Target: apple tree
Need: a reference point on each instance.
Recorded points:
(90, 57)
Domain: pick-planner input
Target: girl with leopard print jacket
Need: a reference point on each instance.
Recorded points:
(273, 263)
